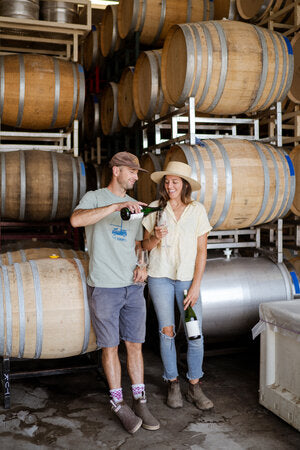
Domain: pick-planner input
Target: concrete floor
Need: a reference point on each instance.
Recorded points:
(72, 411)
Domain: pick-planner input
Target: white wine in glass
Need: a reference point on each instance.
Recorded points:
(142, 258)
(162, 221)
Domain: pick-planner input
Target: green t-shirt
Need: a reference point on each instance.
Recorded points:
(111, 242)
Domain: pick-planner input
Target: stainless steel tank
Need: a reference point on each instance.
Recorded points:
(59, 12)
(20, 9)
(233, 289)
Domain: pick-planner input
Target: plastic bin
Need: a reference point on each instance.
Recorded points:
(280, 360)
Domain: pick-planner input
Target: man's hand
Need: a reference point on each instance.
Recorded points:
(139, 275)
(135, 207)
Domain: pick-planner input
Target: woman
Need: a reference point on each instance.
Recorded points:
(175, 266)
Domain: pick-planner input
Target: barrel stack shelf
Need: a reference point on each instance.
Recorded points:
(28, 40)
(60, 40)
(108, 72)
(41, 37)
(183, 126)
(290, 117)
(290, 28)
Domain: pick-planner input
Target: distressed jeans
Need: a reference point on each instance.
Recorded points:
(163, 292)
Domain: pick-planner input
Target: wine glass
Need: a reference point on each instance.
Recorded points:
(142, 258)
(163, 222)
(142, 261)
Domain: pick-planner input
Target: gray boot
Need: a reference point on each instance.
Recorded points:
(195, 395)
(141, 410)
(129, 420)
(174, 399)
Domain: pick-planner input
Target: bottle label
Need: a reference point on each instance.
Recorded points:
(136, 216)
(192, 328)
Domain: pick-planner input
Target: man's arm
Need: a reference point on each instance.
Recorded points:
(84, 217)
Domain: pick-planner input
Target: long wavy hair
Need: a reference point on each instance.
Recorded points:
(185, 193)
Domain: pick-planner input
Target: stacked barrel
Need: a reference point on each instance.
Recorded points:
(43, 300)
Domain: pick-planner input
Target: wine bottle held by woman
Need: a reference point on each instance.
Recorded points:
(191, 322)
(126, 214)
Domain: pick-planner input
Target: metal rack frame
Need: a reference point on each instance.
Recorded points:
(229, 240)
(46, 33)
(7, 375)
(221, 127)
(49, 141)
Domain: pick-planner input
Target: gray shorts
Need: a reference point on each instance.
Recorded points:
(118, 313)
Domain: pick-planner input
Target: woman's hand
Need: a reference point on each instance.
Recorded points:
(192, 296)
(160, 232)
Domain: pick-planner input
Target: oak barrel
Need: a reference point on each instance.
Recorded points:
(229, 67)
(152, 18)
(40, 92)
(294, 92)
(225, 9)
(295, 157)
(40, 186)
(148, 96)
(257, 10)
(44, 309)
(27, 254)
(145, 189)
(126, 111)
(20, 9)
(91, 49)
(55, 11)
(91, 118)
(97, 176)
(243, 183)
(110, 40)
(110, 123)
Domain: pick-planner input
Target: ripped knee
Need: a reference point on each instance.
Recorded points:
(168, 331)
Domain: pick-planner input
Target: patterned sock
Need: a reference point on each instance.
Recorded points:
(116, 395)
(137, 390)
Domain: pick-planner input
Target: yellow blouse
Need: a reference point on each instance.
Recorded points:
(176, 257)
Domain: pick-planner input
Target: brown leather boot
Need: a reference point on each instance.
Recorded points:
(195, 395)
(174, 399)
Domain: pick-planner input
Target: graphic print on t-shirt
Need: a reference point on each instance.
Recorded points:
(118, 233)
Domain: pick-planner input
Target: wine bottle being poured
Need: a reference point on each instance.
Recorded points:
(126, 214)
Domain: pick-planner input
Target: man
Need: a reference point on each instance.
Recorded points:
(115, 291)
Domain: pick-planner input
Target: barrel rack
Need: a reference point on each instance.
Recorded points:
(183, 126)
(45, 37)
(48, 38)
(60, 230)
(203, 128)
(90, 361)
(291, 118)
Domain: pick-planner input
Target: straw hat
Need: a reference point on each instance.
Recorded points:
(178, 169)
